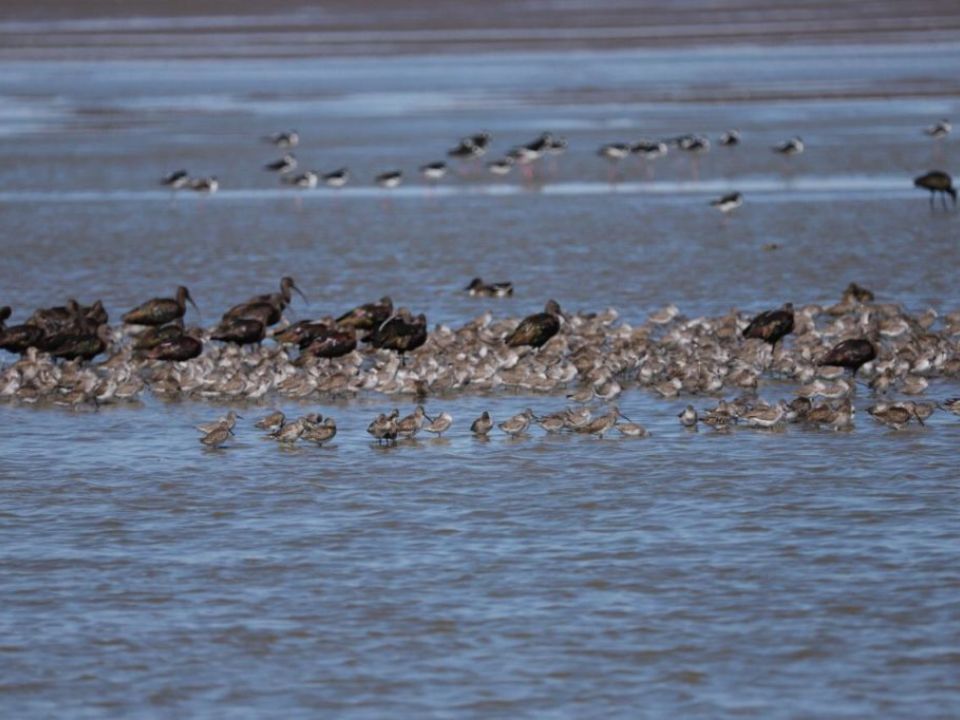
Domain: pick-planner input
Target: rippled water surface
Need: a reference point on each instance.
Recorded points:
(756, 574)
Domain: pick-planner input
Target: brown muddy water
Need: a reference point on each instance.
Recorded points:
(756, 574)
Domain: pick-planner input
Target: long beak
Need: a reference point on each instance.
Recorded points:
(428, 417)
(294, 287)
(190, 300)
(624, 417)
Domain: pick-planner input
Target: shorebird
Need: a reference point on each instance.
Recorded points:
(272, 422)
(336, 178)
(285, 164)
(894, 416)
(440, 424)
(384, 427)
(632, 430)
(472, 146)
(80, 344)
(518, 424)
(5, 313)
(239, 331)
(477, 288)
(305, 180)
(400, 333)
(332, 343)
(20, 338)
(649, 149)
(614, 152)
(937, 181)
(367, 316)
(389, 179)
(688, 416)
(321, 433)
(409, 426)
(289, 433)
(432, 172)
(602, 424)
(205, 184)
(793, 146)
(501, 167)
(951, 405)
(176, 349)
(766, 417)
(939, 129)
(482, 425)
(286, 139)
(851, 354)
(771, 326)
(217, 437)
(730, 138)
(728, 203)
(228, 421)
(160, 311)
(176, 180)
(535, 330)
(693, 143)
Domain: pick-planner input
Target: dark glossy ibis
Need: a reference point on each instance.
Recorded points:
(368, 316)
(937, 181)
(19, 338)
(535, 330)
(240, 331)
(850, 354)
(332, 343)
(181, 348)
(161, 311)
(400, 333)
(771, 326)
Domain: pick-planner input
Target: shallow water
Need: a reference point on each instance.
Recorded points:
(760, 574)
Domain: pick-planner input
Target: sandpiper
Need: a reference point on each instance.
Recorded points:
(614, 152)
(176, 180)
(727, 203)
(766, 417)
(649, 149)
(321, 433)
(384, 427)
(409, 426)
(793, 146)
(285, 164)
(478, 288)
(482, 425)
(228, 421)
(632, 430)
(217, 437)
(894, 416)
(604, 423)
(688, 417)
(518, 424)
(272, 422)
(440, 424)
(289, 433)
(389, 179)
(952, 405)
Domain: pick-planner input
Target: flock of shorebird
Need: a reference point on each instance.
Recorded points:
(590, 356)
(526, 156)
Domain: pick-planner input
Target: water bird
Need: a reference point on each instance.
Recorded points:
(176, 180)
(302, 332)
(535, 330)
(472, 146)
(217, 437)
(483, 424)
(228, 421)
(289, 433)
(5, 312)
(160, 311)
(20, 338)
(937, 181)
(205, 184)
(156, 334)
(389, 179)
(272, 422)
(518, 424)
(688, 416)
(649, 149)
(500, 167)
(766, 416)
(179, 349)
(432, 172)
(730, 138)
(282, 165)
(305, 180)
(793, 146)
(332, 343)
(939, 129)
(286, 139)
(727, 203)
(693, 143)
(894, 416)
(400, 333)
(772, 325)
(409, 426)
(632, 430)
(322, 432)
(336, 178)
(614, 151)
(851, 354)
(602, 424)
(440, 424)
(477, 288)
(367, 316)
(239, 331)
(384, 427)
(83, 345)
